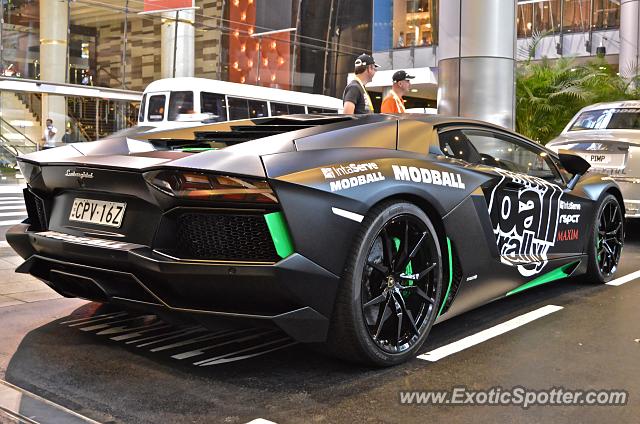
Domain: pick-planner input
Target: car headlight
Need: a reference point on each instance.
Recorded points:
(201, 186)
(29, 170)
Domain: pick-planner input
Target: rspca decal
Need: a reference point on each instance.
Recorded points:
(569, 219)
(359, 180)
(427, 176)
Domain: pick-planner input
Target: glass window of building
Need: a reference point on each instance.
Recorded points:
(606, 14)
(404, 23)
(524, 20)
(546, 16)
(576, 15)
(541, 16)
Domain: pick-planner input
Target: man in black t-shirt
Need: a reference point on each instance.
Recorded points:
(355, 98)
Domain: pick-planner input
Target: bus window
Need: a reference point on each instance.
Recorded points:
(142, 103)
(278, 109)
(313, 109)
(214, 104)
(238, 108)
(330, 110)
(293, 109)
(257, 109)
(156, 108)
(180, 103)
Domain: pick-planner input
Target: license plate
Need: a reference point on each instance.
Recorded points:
(604, 160)
(97, 212)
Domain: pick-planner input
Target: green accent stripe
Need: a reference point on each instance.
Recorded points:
(446, 296)
(279, 234)
(556, 274)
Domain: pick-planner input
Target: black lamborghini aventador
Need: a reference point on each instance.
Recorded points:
(356, 232)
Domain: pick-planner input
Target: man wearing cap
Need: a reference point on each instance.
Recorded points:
(355, 98)
(393, 103)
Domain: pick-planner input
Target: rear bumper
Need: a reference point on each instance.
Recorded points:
(294, 294)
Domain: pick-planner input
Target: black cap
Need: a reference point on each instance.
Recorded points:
(401, 76)
(365, 60)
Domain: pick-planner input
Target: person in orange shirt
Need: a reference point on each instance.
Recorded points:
(393, 103)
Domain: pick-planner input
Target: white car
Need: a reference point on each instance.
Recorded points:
(608, 136)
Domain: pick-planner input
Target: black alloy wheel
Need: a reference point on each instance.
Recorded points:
(398, 287)
(607, 240)
(391, 289)
(610, 237)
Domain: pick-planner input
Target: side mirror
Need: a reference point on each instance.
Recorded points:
(575, 165)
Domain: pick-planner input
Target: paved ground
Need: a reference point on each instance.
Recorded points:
(108, 366)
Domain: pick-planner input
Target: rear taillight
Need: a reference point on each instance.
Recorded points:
(201, 186)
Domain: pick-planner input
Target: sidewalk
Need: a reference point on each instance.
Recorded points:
(16, 289)
(12, 188)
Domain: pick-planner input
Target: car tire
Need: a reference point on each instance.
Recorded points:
(354, 319)
(606, 240)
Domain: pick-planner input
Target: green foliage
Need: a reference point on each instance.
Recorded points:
(549, 93)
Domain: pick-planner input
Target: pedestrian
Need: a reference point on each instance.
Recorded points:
(394, 102)
(87, 78)
(400, 43)
(49, 136)
(355, 98)
(67, 137)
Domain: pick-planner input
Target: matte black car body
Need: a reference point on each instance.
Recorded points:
(327, 172)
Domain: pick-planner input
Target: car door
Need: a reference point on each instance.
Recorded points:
(524, 198)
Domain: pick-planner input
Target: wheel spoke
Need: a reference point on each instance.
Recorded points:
(408, 314)
(424, 273)
(420, 293)
(387, 244)
(399, 314)
(382, 318)
(405, 260)
(376, 301)
(403, 250)
(379, 267)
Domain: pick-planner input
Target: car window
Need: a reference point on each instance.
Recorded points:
(215, 105)
(501, 151)
(156, 108)
(180, 103)
(238, 108)
(142, 103)
(278, 109)
(611, 119)
(257, 109)
(293, 109)
(455, 144)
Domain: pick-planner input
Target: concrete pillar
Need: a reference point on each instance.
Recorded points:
(477, 60)
(53, 59)
(629, 38)
(185, 49)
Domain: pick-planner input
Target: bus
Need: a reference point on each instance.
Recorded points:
(173, 103)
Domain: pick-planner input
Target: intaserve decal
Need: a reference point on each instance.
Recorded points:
(345, 170)
(525, 229)
(427, 176)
